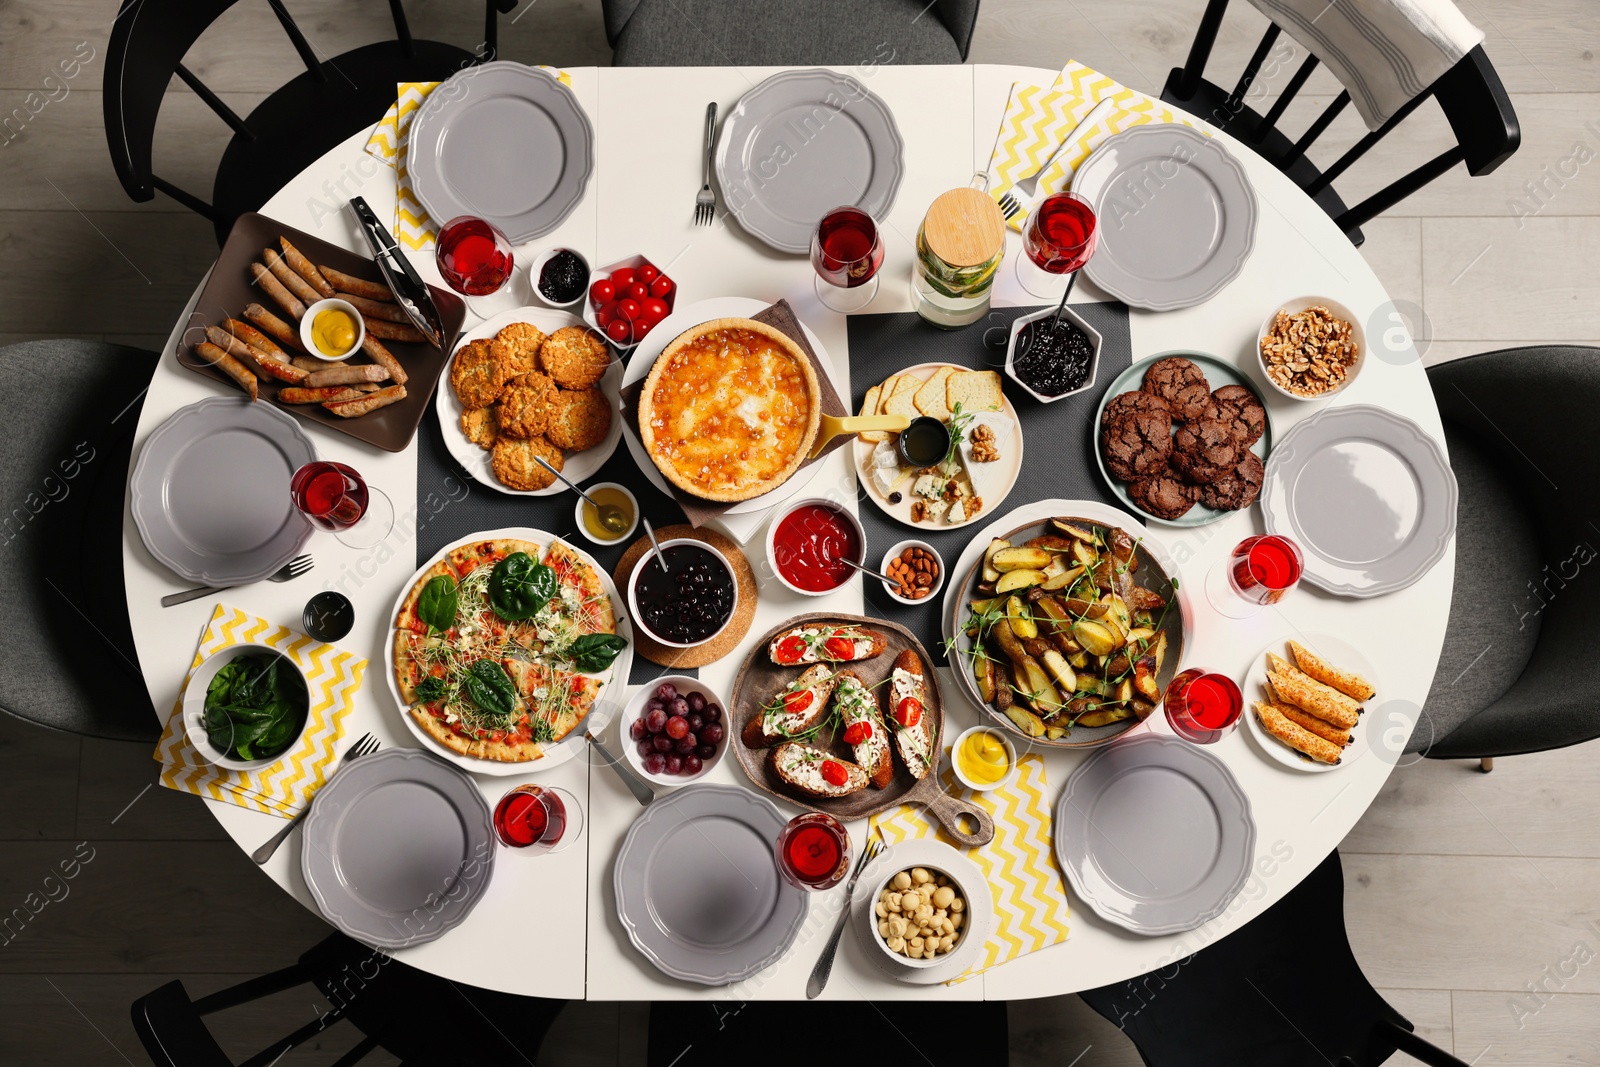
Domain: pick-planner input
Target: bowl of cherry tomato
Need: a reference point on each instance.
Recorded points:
(628, 299)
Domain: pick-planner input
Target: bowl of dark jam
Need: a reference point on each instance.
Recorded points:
(560, 277)
(690, 602)
(1053, 357)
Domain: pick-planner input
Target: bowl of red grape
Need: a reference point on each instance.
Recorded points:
(674, 730)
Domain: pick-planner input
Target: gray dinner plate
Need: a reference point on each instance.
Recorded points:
(398, 848)
(1154, 834)
(1177, 217)
(1368, 496)
(210, 492)
(505, 142)
(802, 143)
(698, 888)
(1217, 374)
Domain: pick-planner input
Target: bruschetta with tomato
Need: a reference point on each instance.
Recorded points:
(863, 728)
(826, 644)
(908, 715)
(816, 773)
(798, 708)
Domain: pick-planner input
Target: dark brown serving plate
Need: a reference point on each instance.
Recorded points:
(759, 679)
(230, 288)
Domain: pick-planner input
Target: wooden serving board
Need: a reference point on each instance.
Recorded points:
(759, 679)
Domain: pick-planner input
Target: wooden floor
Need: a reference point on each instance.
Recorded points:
(1465, 890)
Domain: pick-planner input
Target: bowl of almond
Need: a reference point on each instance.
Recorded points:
(917, 570)
(1311, 348)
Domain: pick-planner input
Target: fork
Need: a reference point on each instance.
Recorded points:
(1010, 204)
(293, 569)
(365, 745)
(705, 202)
(824, 967)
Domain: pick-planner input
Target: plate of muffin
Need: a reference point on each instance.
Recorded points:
(1182, 438)
(528, 384)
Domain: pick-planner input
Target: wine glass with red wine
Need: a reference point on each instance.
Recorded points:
(538, 819)
(473, 256)
(814, 852)
(1259, 572)
(1058, 240)
(846, 253)
(333, 497)
(1201, 706)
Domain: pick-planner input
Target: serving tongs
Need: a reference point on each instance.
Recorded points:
(413, 294)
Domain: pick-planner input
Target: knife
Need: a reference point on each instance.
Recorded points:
(636, 785)
(413, 295)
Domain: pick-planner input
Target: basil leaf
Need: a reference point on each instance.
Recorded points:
(431, 688)
(519, 587)
(437, 605)
(491, 688)
(593, 653)
(254, 706)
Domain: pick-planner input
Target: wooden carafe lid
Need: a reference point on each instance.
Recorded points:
(964, 227)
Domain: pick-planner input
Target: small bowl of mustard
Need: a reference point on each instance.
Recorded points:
(615, 495)
(332, 330)
(983, 758)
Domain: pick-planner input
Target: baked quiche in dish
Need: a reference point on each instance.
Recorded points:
(730, 409)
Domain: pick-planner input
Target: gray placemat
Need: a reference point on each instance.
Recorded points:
(465, 507)
(1058, 440)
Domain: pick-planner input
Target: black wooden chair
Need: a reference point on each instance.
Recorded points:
(786, 1033)
(403, 1010)
(1516, 674)
(333, 99)
(1284, 989)
(1469, 94)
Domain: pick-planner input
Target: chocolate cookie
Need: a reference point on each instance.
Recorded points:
(1165, 495)
(1133, 402)
(1181, 384)
(1203, 450)
(1237, 488)
(1136, 444)
(1242, 412)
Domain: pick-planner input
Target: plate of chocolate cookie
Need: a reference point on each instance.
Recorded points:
(1182, 438)
(531, 384)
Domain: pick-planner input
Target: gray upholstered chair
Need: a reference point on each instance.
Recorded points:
(1517, 673)
(754, 33)
(71, 410)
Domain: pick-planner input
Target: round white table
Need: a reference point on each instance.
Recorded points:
(567, 941)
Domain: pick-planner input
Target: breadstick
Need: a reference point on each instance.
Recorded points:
(376, 309)
(1298, 691)
(350, 409)
(384, 358)
(1306, 721)
(291, 281)
(1300, 740)
(319, 394)
(269, 323)
(228, 365)
(305, 268)
(1346, 682)
(274, 288)
(393, 331)
(350, 284)
(347, 374)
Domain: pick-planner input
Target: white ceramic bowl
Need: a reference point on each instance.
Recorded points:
(872, 916)
(634, 262)
(1095, 342)
(538, 266)
(790, 509)
(938, 581)
(577, 513)
(1011, 758)
(633, 594)
(634, 710)
(194, 708)
(332, 303)
(1300, 303)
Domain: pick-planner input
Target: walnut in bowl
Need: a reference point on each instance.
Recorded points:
(1311, 348)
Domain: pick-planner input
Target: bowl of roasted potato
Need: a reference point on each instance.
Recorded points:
(1067, 631)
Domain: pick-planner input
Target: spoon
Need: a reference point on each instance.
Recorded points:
(884, 578)
(611, 517)
(650, 531)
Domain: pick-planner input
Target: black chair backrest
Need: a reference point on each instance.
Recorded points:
(149, 40)
(1285, 988)
(957, 16)
(1470, 95)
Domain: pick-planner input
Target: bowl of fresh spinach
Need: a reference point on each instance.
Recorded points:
(245, 706)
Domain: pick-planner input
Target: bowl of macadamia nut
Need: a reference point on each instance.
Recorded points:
(920, 915)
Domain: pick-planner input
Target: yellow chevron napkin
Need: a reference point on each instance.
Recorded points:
(283, 789)
(1030, 899)
(412, 227)
(1037, 119)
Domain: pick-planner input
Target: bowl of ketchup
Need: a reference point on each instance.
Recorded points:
(808, 543)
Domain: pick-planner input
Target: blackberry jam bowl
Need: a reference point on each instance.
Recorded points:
(1053, 359)
(688, 604)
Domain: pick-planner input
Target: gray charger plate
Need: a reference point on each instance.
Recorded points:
(210, 492)
(1154, 834)
(398, 848)
(1177, 216)
(698, 889)
(1368, 496)
(504, 142)
(1218, 374)
(802, 143)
